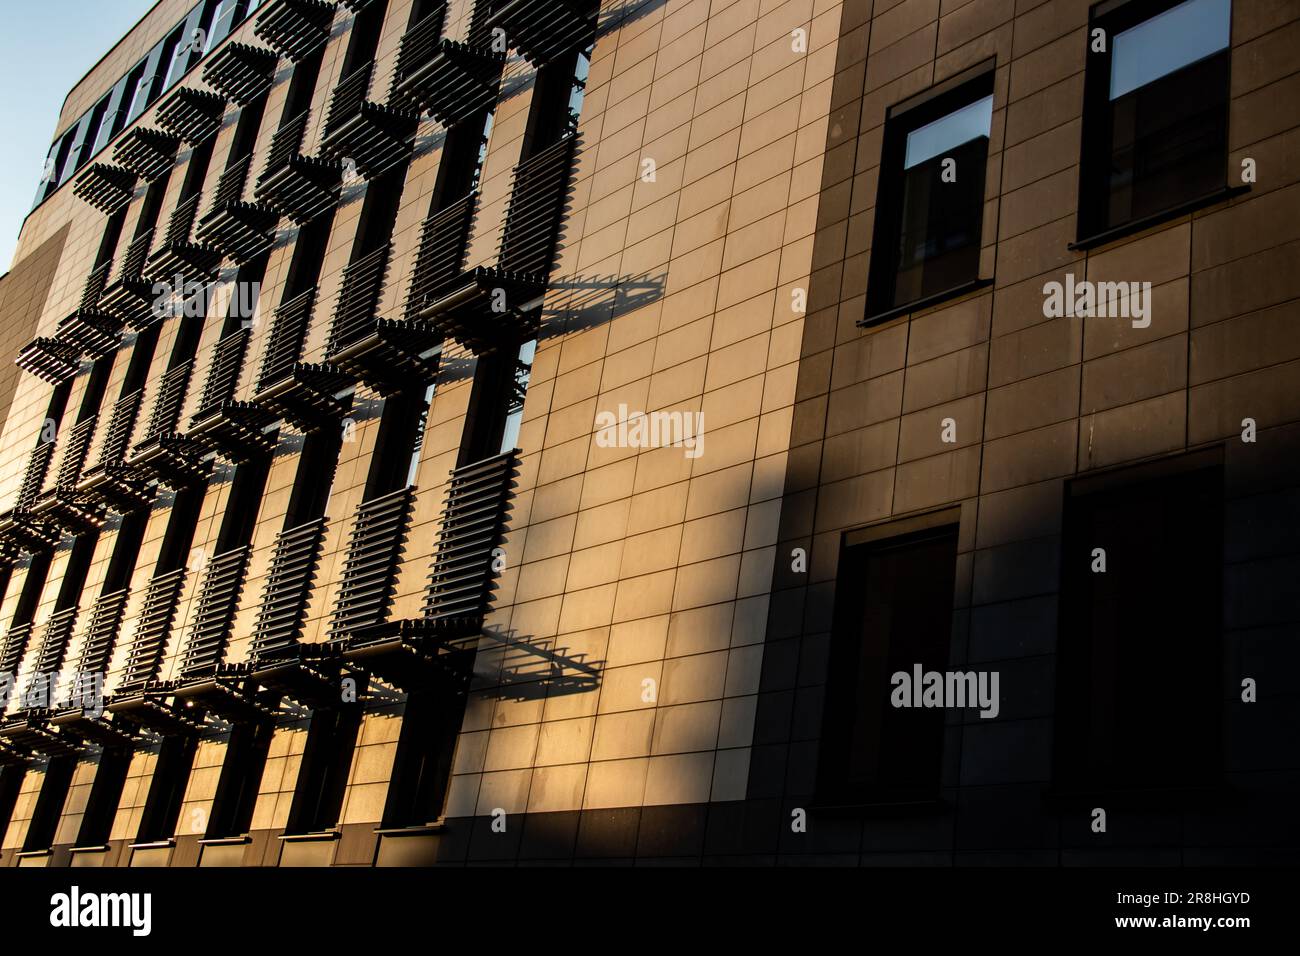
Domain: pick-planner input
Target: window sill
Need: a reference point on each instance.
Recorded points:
(227, 841)
(1209, 795)
(321, 837)
(1084, 243)
(33, 854)
(925, 303)
(437, 826)
(156, 845)
(88, 849)
(882, 807)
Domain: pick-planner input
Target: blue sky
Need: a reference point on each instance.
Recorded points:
(45, 48)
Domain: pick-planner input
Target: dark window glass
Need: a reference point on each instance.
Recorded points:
(105, 794)
(396, 458)
(240, 517)
(463, 155)
(181, 525)
(241, 775)
(557, 100)
(317, 463)
(11, 782)
(126, 549)
(930, 205)
(323, 774)
(1156, 111)
(1138, 696)
(49, 803)
(162, 807)
(497, 403)
(422, 765)
(893, 611)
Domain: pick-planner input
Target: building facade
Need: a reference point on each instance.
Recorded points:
(723, 431)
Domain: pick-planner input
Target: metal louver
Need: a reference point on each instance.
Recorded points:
(543, 29)
(445, 78)
(491, 307)
(106, 187)
(49, 359)
(283, 610)
(289, 327)
(294, 28)
(217, 603)
(54, 642)
(370, 569)
(192, 115)
(223, 374)
(375, 137)
(153, 629)
(146, 152)
(241, 72)
(473, 525)
(101, 635)
(14, 647)
(358, 304)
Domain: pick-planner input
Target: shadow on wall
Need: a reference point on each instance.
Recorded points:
(534, 670)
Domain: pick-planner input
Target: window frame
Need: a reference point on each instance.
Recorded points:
(834, 791)
(1115, 17)
(942, 100)
(1072, 775)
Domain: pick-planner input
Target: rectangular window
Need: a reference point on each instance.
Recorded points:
(323, 773)
(1138, 693)
(227, 14)
(930, 195)
(11, 784)
(244, 503)
(1155, 121)
(422, 765)
(396, 457)
(893, 613)
(181, 525)
(496, 407)
(318, 463)
(49, 803)
(241, 775)
(105, 795)
(162, 807)
(558, 94)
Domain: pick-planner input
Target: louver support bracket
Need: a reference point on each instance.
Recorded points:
(146, 152)
(411, 654)
(295, 28)
(374, 137)
(283, 609)
(473, 526)
(448, 79)
(236, 431)
(92, 331)
(50, 359)
(99, 731)
(370, 568)
(192, 115)
(241, 72)
(106, 187)
(543, 29)
(301, 189)
(32, 734)
(312, 396)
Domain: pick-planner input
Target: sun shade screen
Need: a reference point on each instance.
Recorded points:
(961, 126)
(1168, 42)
